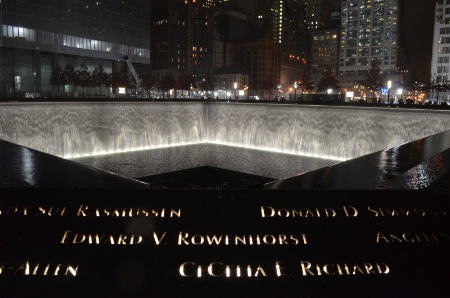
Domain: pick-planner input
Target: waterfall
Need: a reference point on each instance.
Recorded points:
(77, 129)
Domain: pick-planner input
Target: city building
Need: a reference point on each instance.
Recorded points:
(440, 61)
(325, 49)
(369, 30)
(37, 36)
(172, 36)
(261, 61)
(440, 70)
(229, 86)
(318, 14)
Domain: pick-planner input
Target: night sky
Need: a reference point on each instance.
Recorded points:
(419, 23)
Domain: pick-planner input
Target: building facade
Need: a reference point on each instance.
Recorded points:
(325, 49)
(36, 36)
(261, 61)
(440, 60)
(440, 63)
(369, 30)
(318, 14)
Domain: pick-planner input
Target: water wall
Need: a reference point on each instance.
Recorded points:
(322, 131)
(73, 129)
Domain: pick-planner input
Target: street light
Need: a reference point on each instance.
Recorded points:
(235, 90)
(400, 93)
(389, 85)
(295, 92)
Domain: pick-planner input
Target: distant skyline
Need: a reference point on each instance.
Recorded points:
(419, 26)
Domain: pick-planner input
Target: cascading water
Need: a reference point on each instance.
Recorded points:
(74, 129)
(320, 131)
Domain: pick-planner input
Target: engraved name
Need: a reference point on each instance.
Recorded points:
(395, 212)
(220, 269)
(309, 268)
(411, 237)
(39, 269)
(294, 239)
(85, 210)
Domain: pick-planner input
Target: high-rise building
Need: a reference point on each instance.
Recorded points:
(318, 14)
(440, 61)
(37, 35)
(325, 49)
(172, 35)
(261, 61)
(369, 30)
(183, 36)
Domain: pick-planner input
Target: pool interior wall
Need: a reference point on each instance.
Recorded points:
(337, 133)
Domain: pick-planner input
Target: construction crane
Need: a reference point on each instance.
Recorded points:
(132, 70)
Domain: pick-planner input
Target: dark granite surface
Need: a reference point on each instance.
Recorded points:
(21, 166)
(394, 168)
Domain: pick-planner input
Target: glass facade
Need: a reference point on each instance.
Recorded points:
(34, 32)
(440, 62)
(369, 30)
(105, 29)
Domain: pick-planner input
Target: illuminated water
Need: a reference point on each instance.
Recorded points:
(74, 129)
(157, 161)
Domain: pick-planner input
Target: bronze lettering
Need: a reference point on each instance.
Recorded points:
(330, 212)
(15, 210)
(82, 210)
(260, 270)
(346, 269)
(307, 268)
(50, 211)
(185, 238)
(122, 239)
(47, 269)
(218, 269)
(182, 238)
(272, 240)
(279, 269)
(325, 269)
(263, 213)
(411, 237)
(268, 211)
(369, 268)
(182, 269)
(397, 212)
(309, 213)
(157, 239)
(350, 211)
(382, 268)
(211, 269)
(85, 210)
(238, 240)
(356, 268)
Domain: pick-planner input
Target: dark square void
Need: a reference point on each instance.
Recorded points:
(228, 164)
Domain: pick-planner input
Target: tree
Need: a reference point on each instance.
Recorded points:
(208, 83)
(118, 78)
(328, 81)
(147, 80)
(268, 85)
(70, 75)
(83, 77)
(374, 78)
(305, 83)
(57, 78)
(416, 81)
(100, 77)
(185, 82)
(167, 83)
